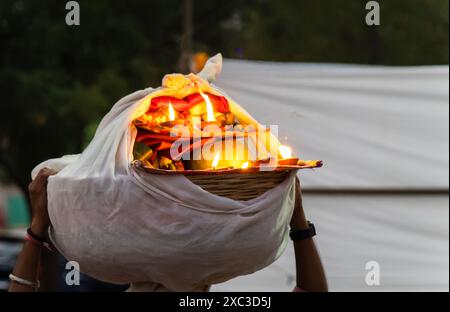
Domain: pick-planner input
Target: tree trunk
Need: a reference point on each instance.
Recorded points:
(186, 38)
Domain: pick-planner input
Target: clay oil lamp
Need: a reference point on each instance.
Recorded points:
(173, 121)
(210, 118)
(286, 156)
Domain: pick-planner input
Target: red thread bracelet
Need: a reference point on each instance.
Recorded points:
(31, 239)
(36, 237)
(40, 241)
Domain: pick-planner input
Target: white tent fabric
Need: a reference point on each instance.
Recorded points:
(376, 128)
(407, 235)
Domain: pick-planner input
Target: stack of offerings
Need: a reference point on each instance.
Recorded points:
(199, 136)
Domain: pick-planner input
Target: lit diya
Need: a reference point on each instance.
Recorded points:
(210, 118)
(172, 122)
(223, 153)
(286, 156)
(215, 163)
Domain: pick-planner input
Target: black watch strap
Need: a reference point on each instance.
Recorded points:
(297, 235)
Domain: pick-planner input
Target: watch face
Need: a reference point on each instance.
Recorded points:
(303, 234)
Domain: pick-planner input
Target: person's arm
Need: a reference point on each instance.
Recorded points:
(309, 269)
(27, 264)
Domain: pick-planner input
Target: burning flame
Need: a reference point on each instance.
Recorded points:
(245, 165)
(171, 112)
(216, 160)
(209, 108)
(285, 151)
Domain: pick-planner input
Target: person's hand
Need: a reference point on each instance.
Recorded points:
(37, 189)
(298, 220)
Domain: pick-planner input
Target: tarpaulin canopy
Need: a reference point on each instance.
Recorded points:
(376, 128)
(407, 235)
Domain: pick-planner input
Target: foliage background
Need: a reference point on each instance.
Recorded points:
(56, 81)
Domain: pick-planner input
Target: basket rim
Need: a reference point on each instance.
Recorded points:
(139, 165)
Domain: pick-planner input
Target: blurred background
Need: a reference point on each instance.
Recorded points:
(57, 82)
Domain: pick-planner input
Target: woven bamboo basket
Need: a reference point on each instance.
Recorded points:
(240, 186)
(237, 184)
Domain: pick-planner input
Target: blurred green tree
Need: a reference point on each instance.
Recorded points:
(57, 81)
(412, 32)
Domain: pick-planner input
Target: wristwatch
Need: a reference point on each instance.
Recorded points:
(297, 235)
